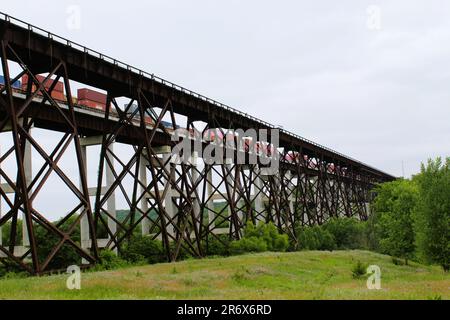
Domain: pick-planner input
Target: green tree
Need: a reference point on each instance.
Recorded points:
(46, 241)
(348, 233)
(315, 238)
(432, 215)
(372, 232)
(394, 205)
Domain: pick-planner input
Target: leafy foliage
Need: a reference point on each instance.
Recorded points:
(141, 249)
(395, 203)
(359, 270)
(432, 214)
(315, 238)
(264, 237)
(348, 233)
(269, 233)
(218, 245)
(46, 241)
(109, 261)
(248, 244)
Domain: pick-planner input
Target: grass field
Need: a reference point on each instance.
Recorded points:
(299, 275)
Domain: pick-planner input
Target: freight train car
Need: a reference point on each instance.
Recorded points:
(92, 99)
(57, 92)
(15, 85)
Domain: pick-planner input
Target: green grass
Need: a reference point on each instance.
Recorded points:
(299, 275)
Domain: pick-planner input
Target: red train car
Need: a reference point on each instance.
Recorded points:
(91, 104)
(57, 93)
(92, 99)
(91, 95)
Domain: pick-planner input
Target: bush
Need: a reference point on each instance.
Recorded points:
(264, 237)
(280, 243)
(359, 270)
(248, 244)
(46, 241)
(143, 249)
(269, 233)
(11, 270)
(348, 233)
(218, 245)
(307, 239)
(315, 238)
(109, 260)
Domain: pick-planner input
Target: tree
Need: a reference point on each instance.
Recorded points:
(347, 232)
(432, 215)
(394, 205)
(46, 241)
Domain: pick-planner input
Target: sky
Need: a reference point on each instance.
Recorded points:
(369, 79)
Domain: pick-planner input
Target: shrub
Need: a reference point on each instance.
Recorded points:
(248, 244)
(218, 245)
(348, 233)
(264, 237)
(143, 249)
(240, 275)
(11, 270)
(327, 241)
(109, 260)
(315, 238)
(269, 233)
(280, 243)
(359, 270)
(67, 255)
(307, 239)
(275, 241)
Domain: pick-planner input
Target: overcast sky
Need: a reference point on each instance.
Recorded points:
(370, 79)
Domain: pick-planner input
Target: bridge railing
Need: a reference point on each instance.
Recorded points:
(174, 86)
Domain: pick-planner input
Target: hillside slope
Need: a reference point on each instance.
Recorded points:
(299, 275)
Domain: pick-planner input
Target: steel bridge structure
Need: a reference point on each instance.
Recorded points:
(182, 204)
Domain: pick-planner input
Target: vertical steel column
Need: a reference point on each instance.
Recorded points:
(18, 139)
(210, 201)
(258, 195)
(143, 163)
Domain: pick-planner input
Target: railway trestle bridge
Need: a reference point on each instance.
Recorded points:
(183, 204)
